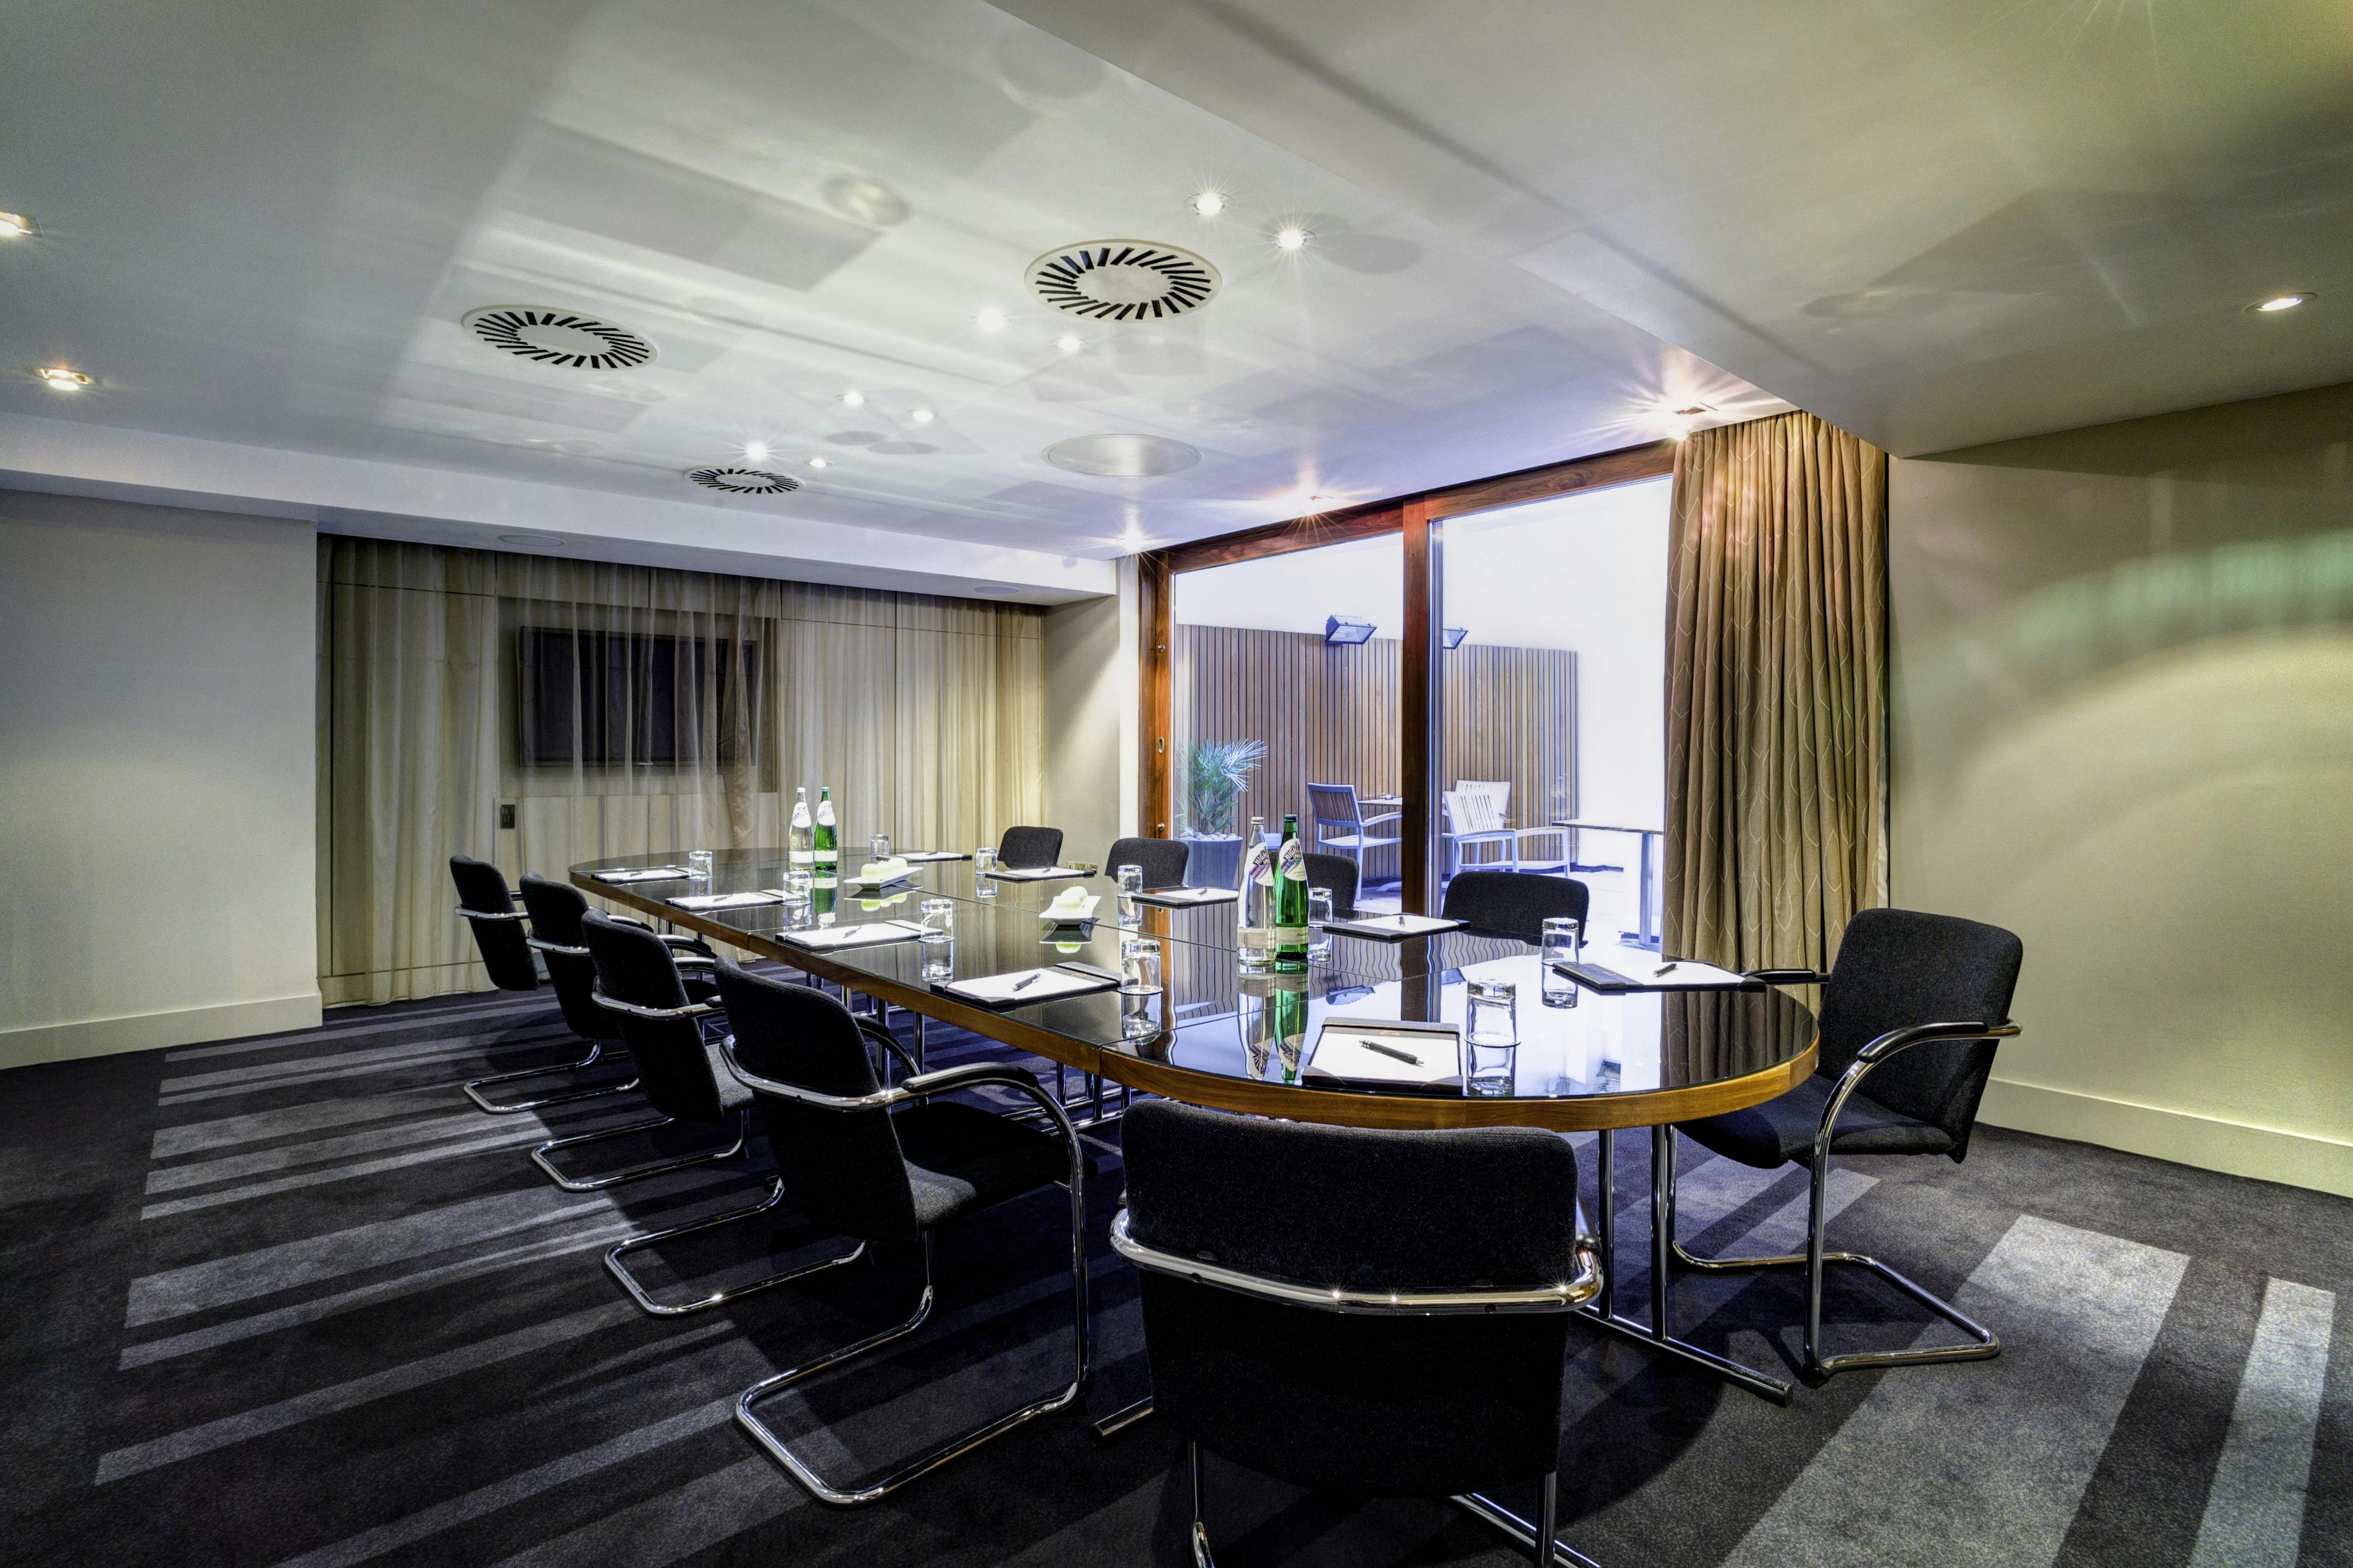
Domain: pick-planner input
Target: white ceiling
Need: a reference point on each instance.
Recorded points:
(1933, 222)
(1936, 222)
(261, 222)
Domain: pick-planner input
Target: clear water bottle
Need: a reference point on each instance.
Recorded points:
(1254, 901)
(801, 849)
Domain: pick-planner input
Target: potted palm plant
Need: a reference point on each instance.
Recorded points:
(1217, 776)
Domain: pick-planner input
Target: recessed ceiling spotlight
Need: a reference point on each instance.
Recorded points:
(1069, 343)
(1210, 204)
(854, 399)
(817, 462)
(1291, 236)
(544, 540)
(15, 226)
(62, 379)
(991, 319)
(756, 450)
(2277, 302)
(921, 415)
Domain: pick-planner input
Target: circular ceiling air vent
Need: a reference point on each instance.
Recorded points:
(1122, 281)
(564, 338)
(743, 481)
(1123, 457)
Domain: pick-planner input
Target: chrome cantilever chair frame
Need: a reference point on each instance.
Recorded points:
(1814, 1261)
(698, 1010)
(774, 1198)
(922, 1087)
(1536, 1536)
(474, 1086)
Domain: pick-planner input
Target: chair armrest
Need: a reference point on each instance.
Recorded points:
(1365, 822)
(489, 914)
(972, 1075)
(1887, 1046)
(884, 1037)
(1786, 976)
(1583, 1287)
(556, 947)
(691, 1010)
(680, 940)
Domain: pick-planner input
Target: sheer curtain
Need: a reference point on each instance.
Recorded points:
(1777, 692)
(626, 709)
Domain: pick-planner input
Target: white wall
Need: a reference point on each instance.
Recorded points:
(1584, 572)
(1090, 669)
(2123, 725)
(157, 675)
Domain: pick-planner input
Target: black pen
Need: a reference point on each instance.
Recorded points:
(1391, 1051)
(1664, 967)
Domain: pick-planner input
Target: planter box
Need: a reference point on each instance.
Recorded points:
(1213, 861)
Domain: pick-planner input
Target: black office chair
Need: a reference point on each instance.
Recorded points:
(1162, 861)
(1915, 1005)
(890, 1164)
(1513, 903)
(504, 942)
(1337, 873)
(1397, 1326)
(1029, 849)
(663, 1022)
(555, 909)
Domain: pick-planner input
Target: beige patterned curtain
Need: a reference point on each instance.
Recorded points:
(1777, 692)
(687, 707)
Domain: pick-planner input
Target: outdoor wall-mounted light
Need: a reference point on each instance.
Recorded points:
(1341, 630)
(1451, 636)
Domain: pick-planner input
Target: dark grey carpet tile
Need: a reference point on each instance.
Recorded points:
(288, 1300)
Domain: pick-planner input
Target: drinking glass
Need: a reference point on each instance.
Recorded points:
(1563, 936)
(983, 872)
(1139, 966)
(1319, 912)
(697, 865)
(880, 847)
(1490, 1038)
(1137, 1018)
(1130, 883)
(939, 919)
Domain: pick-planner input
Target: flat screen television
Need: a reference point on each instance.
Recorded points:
(609, 698)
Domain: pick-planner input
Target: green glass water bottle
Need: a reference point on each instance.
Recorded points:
(1291, 899)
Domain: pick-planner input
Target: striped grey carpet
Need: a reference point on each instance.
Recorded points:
(294, 1302)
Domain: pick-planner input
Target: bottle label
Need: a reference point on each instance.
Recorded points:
(804, 857)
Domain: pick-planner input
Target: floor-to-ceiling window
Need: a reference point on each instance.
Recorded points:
(1284, 673)
(1553, 619)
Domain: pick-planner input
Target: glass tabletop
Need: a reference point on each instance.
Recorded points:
(1264, 1029)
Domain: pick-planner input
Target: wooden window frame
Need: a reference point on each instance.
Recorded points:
(1417, 518)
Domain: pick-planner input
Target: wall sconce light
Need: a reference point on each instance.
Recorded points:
(1451, 636)
(1341, 630)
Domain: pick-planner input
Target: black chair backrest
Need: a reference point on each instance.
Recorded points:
(555, 910)
(843, 1169)
(1513, 903)
(1024, 848)
(502, 941)
(1379, 1405)
(1899, 967)
(1162, 861)
(1334, 805)
(1338, 873)
(674, 1067)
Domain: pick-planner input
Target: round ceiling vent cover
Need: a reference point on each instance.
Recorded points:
(743, 481)
(1122, 281)
(564, 338)
(1123, 457)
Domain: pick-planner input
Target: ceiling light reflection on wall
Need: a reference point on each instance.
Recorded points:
(2277, 303)
(1291, 236)
(991, 319)
(1210, 204)
(15, 226)
(62, 379)
(1345, 629)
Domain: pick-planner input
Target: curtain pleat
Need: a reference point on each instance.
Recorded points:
(1776, 630)
(924, 715)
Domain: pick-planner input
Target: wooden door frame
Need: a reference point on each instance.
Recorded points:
(1420, 691)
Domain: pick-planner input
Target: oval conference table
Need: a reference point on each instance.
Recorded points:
(1218, 1036)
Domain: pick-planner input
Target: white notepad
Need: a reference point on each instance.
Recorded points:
(699, 902)
(1035, 874)
(935, 854)
(1185, 898)
(1392, 928)
(644, 874)
(1687, 974)
(1023, 986)
(824, 938)
(1370, 1052)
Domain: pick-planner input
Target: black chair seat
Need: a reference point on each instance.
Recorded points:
(1781, 1130)
(961, 1158)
